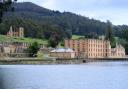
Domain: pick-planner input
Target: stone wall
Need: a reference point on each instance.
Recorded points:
(37, 61)
(14, 55)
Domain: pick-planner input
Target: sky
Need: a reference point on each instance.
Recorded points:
(114, 10)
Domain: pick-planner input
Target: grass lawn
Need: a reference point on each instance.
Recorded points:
(4, 38)
(77, 36)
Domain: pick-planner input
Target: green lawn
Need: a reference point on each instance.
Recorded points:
(4, 38)
(77, 36)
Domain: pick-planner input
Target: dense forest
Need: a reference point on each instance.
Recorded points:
(43, 23)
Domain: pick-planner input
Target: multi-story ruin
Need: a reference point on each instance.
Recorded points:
(16, 32)
(12, 49)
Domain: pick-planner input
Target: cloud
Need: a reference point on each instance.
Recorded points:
(51, 4)
(117, 17)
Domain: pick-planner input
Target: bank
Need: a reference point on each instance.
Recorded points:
(37, 61)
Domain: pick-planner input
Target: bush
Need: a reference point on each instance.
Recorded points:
(33, 49)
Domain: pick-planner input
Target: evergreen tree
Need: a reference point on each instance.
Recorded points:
(109, 35)
(4, 6)
(54, 40)
(126, 48)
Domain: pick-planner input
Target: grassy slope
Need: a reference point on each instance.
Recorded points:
(76, 36)
(4, 38)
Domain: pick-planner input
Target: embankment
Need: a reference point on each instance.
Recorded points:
(36, 61)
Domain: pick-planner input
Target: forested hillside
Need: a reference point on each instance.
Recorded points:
(40, 22)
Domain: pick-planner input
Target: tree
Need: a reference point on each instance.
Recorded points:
(91, 35)
(126, 48)
(4, 6)
(33, 49)
(54, 40)
(113, 43)
(125, 34)
(109, 35)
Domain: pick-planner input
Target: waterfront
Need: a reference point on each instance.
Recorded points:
(97, 75)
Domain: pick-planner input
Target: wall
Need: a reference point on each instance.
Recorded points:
(62, 54)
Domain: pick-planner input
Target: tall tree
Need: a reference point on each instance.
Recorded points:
(109, 35)
(54, 40)
(126, 48)
(4, 6)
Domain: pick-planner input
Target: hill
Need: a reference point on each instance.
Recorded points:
(43, 23)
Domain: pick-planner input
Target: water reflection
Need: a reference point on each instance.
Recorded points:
(2, 82)
(109, 64)
(25, 87)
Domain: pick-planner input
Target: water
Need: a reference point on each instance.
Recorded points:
(103, 75)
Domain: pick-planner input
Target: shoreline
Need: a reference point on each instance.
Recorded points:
(37, 61)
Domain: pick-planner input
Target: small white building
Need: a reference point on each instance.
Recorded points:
(62, 53)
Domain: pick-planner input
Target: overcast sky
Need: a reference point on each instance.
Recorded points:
(114, 10)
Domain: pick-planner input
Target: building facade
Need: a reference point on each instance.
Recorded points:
(16, 32)
(93, 48)
(12, 49)
(118, 52)
(9, 49)
(62, 53)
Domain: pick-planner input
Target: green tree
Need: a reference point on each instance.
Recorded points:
(91, 35)
(62, 43)
(109, 35)
(4, 6)
(113, 43)
(125, 34)
(54, 41)
(126, 48)
(33, 49)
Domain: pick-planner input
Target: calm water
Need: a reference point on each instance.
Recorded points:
(104, 75)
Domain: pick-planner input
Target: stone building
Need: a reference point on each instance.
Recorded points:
(19, 49)
(118, 52)
(62, 53)
(94, 48)
(16, 32)
(14, 49)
